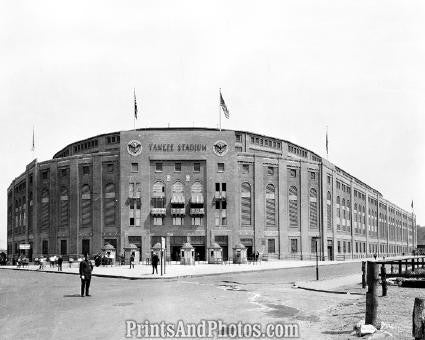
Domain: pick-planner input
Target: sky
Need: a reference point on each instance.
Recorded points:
(286, 69)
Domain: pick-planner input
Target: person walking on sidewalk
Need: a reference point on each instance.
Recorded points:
(60, 260)
(155, 261)
(132, 260)
(85, 275)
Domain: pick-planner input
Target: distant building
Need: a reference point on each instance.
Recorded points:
(200, 186)
(421, 239)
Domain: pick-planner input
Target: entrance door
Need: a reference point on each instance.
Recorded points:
(199, 253)
(85, 247)
(330, 253)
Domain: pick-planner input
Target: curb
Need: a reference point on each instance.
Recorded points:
(179, 276)
(330, 291)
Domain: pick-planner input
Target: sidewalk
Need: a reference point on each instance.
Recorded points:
(339, 285)
(143, 271)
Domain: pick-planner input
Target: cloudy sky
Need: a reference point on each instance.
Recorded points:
(286, 68)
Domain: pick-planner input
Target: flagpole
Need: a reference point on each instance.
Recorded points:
(219, 108)
(134, 113)
(327, 142)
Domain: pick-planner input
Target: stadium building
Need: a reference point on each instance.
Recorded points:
(201, 186)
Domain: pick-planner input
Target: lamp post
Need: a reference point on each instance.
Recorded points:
(316, 238)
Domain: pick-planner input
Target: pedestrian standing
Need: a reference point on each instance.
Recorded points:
(155, 261)
(132, 260)
(85, 275)
(60, 260)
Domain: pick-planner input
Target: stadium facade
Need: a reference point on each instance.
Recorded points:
(201, 186)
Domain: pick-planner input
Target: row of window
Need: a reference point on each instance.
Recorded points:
(86, 145)
(177, 167)
(297, 151)
(266, 142)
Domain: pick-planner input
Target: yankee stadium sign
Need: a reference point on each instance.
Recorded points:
(177, 147)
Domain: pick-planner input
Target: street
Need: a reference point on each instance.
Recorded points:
(45, 305)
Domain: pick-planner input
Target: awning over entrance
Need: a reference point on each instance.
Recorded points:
(177, 198)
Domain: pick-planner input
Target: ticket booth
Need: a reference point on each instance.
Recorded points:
(215, 254)
(132, 249)
(239, 254)
(187, 254)
(109, 252)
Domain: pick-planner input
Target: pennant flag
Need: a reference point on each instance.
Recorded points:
(33, 141)
(224, 107)
(135, 105)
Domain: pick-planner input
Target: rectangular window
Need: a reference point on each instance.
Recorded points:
(238, 149)
(197, 220)
(339, 246)
(64, 172)
(131, 221)
(157, 220)
(196, 167)
(109, 168)
(217, 187)
(245, 168)
(158, 167)
(292, 173)
(294, 245)
(238, 138)
(86, 170)
(44, 174)
(271, 246)
(177, 167)
(344, 246)
(134, 167)
(223, 186)
(313, 176)
(220, 167)
(270, 171)
(177, 220)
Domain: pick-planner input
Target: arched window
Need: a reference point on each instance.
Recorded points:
(329, 210)
(245, 204)
(313, 209)
(109, 205)
(270, 206)
(45, 208)
(196, 188)
(178, 187)
(86, 207)
(293, 206)
(158, 189)
(64, 207)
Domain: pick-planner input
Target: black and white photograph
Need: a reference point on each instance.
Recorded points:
(212, 169)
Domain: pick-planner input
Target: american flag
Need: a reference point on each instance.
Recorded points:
(224, 107)
(135, 105)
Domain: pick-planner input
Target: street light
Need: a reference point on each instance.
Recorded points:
(316, 238)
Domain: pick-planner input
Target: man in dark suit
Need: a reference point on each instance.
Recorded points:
(60, 261)
(155, 260)
(85, 274)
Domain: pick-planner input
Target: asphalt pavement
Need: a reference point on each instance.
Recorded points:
(41, 305)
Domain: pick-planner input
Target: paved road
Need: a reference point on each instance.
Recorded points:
(47, 306)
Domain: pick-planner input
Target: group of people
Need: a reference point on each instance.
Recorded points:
(54, 261)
